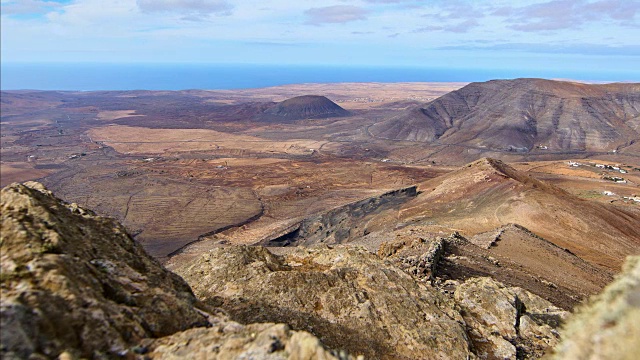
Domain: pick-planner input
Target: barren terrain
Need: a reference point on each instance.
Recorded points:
(188, 171)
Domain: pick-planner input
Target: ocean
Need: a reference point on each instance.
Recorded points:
(93, 76)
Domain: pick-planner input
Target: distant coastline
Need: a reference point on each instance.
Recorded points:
(95, 76)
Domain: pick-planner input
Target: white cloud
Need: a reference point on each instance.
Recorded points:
(192, 8)
(337, 14)
(20, 7)
(162, 30)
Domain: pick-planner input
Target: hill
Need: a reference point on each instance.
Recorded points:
(488, 193)
(303, 107)
(522, 115)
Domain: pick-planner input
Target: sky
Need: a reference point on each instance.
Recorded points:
(587, 35)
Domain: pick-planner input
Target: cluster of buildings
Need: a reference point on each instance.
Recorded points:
(608, 176)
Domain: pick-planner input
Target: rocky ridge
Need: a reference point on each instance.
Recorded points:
(76, 285)
(487, 194)
(347, 297)
(336, 293)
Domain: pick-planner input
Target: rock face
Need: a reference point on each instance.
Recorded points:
(607, 328)
(418, 256)
(77, 285)
(343, 223)
(77, 282)
(503, 322)
(507, 323)
(347, 297)
(303, 107)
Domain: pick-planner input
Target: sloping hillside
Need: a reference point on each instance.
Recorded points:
(523, 114)
(488, 193)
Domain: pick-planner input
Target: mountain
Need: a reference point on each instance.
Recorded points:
(303, 107)
(523, 114)
(415, 124)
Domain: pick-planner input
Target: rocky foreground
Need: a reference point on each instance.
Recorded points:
(76, 285)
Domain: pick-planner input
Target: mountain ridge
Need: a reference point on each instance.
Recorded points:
(524, 115)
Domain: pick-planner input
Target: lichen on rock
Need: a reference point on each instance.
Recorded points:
(73, 281)
(347, 297)
(608, 326)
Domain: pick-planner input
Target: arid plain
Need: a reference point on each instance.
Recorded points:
(187, 171)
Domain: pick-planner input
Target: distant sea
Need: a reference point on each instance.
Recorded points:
(92, 76)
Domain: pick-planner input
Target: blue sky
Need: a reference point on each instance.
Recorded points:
(585, 35)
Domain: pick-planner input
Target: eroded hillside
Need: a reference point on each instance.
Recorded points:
(520, 115)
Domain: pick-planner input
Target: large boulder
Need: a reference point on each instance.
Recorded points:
(230, 340)
(507, 322)
(503, 322)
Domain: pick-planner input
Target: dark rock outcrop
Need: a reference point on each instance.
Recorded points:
(343, 223)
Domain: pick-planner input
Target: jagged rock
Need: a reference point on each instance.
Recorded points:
(416, 255)
(76, 282)
(347, 297)
(608, 327)
(76, 285)
(231, 340)
(507, 322)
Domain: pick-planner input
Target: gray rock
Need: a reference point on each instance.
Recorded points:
(76, 282)
(347, 297)
(608, 327)
(234, 341)
(76, 285)
(507, 322)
